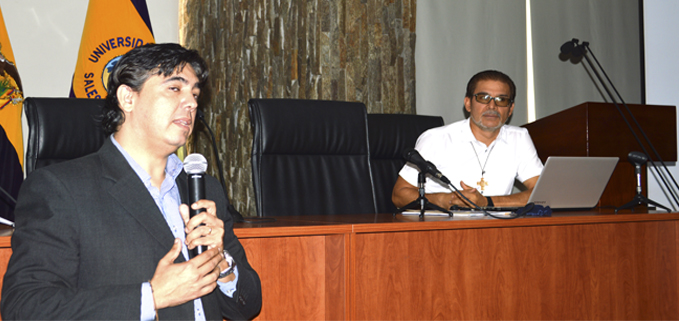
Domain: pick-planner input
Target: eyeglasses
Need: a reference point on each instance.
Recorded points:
(499, 101)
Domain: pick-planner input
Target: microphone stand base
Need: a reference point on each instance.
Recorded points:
(640, 200)
(422, 200)
(424, 205)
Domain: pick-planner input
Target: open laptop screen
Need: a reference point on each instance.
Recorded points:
(573, 182)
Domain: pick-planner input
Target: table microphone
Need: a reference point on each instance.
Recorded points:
(195, 166)
(413, 156)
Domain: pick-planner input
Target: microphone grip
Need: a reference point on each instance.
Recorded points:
(637, 172)
(196, 192)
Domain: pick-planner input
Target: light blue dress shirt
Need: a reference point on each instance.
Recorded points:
(167, 199)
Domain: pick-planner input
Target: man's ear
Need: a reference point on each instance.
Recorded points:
(126, 98)
(468, 104)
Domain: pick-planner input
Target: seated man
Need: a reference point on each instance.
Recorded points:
(481, 153)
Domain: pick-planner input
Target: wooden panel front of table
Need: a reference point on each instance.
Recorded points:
(578, 265)
(571, 266)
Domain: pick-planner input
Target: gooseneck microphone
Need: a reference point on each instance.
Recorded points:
(195, 166)
(414, 157)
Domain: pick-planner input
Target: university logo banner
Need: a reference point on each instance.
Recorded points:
(112, 28)
(11, 94)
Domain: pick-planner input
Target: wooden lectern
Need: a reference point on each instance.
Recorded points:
(598, 129)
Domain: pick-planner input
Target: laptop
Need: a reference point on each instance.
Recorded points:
(568, 183)
(573, 182)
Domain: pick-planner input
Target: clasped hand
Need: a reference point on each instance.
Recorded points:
(177, 283)
(469, 192)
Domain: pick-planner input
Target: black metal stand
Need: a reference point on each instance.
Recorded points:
(639, 200)
(422, 200)
(637, 159)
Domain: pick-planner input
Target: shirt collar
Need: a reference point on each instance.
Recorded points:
(467, 134)
(173, 167)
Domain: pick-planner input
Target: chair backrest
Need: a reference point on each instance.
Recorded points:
(389, 136)
(310, 157)
(60, 129)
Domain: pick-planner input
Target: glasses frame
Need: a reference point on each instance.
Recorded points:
(496, 99)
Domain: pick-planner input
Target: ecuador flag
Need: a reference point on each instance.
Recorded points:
(112, 28)
(11, 96)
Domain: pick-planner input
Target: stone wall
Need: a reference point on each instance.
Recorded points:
(351, 50)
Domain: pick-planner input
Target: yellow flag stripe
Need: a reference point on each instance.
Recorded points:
(11, 97)
(112, 28)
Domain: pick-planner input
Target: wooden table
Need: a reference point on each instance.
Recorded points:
(579, 265)
(574, 265)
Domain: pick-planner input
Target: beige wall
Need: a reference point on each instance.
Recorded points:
(45, 37)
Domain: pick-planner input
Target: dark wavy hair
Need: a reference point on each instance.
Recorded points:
(137, 65)
(490, 75)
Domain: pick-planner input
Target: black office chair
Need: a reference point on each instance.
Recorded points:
(60, 129)
(389, 136)
(310, 157)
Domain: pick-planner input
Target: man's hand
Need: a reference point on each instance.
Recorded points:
(404, 193)
(472, 194)
(210, 233)
(205, 229)
(177, 283)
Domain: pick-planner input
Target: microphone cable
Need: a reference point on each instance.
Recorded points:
(516, 214)
(237, 216)
(413, 156)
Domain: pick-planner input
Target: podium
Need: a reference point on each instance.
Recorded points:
(598, 129)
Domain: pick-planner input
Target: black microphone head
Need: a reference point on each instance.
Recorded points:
(407, 153)
(637, 158)
(195, 164)
(413, 156)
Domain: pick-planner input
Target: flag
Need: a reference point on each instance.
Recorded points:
(11, 95)
(112, 28)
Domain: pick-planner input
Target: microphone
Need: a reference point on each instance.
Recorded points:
(426, 167)
(195, 166)
(413, 156)
(637, 159)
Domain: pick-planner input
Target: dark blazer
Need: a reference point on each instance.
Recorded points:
(88, 233)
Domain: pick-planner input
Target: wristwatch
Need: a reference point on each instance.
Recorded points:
(490, 202)
(232, 265)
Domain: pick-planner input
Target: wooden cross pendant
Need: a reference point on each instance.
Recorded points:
(482, 184)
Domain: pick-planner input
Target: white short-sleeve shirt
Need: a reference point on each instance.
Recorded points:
(461, 157)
